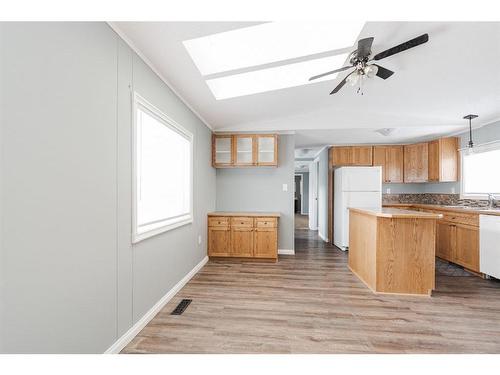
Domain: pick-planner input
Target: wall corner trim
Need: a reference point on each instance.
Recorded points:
(141, 323)
(286, 251)
(322, 237)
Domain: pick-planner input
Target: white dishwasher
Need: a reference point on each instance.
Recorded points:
(489, 245)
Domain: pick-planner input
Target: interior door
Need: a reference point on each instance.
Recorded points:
(313, 196)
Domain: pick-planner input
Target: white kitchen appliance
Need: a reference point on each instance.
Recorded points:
(489, 245)
(359, 187)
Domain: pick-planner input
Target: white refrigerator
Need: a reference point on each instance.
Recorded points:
(359, 187)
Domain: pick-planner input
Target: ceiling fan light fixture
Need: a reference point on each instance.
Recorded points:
(353, 79)
(371, 71)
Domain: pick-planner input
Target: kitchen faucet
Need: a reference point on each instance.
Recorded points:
(491, 201)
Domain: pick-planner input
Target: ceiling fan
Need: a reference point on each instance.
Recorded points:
(361, 59)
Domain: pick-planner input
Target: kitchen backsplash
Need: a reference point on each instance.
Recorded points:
(433, 198)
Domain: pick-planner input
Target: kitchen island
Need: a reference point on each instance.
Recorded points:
(392, 250)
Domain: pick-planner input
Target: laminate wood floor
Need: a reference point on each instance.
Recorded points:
(301, 221)
(312, 303)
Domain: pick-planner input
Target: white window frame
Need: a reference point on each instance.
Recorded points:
(490, 146)
(140, 103)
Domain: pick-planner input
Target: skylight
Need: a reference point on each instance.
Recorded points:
(276, 78)
(268, 43)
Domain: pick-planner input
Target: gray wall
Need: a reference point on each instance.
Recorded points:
(260, 189)
(305, 191)
(488, 133)
(323, 194)
(70, 279)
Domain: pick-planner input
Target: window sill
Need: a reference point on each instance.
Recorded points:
(138, 237)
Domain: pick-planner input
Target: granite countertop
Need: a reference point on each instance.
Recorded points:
(462, 209)
(396, 213)
(244, 213)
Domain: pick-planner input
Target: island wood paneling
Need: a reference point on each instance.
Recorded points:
(405, 257)
(391, 251)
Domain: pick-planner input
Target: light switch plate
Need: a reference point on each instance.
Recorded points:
(285, 187)
(388, 190)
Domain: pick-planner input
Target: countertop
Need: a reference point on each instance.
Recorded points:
(396, 213)
(244, 213)
(462, 209)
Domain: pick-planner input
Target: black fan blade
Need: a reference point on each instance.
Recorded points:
(364, 48)
(402, 47)
(331, 72)
(383, 72)
(341, 84)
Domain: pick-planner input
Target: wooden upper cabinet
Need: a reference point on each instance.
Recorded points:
(267, 149)
(416, 162)
(390, 158)
(244, 150)
(351, 155)
(362, 155)
(443, 160)
(222, 150)
(341, 156)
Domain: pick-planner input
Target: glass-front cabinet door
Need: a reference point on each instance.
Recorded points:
(222, 150)
(245, 153)
(267, 149)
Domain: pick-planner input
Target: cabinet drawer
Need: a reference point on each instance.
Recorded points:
(218, 222)
(266, 222)
(245, 222)
(459, 218)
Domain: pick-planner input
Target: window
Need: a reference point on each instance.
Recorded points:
(163, 172)
(480, 175)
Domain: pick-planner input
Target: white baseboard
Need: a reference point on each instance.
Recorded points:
(141, 323)
(322, 237)
(286, 251)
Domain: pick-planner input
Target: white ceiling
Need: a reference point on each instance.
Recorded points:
(433, 87)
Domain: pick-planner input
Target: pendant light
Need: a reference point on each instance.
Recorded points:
(471, 144)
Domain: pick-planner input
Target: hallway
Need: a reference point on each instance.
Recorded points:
(301, 221)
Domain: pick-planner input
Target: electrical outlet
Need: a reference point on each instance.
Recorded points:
(199, 240)
(285, 187)
(388, 190)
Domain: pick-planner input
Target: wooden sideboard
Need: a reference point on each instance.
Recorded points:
(243, 235)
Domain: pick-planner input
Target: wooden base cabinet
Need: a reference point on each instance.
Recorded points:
(458, 243)
(219, 241)
(266, 242)
(243, 236)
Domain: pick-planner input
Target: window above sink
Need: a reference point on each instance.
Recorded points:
(480, 175)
